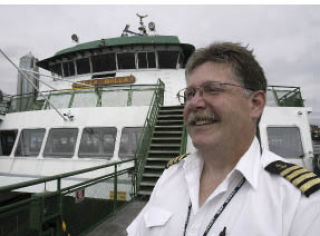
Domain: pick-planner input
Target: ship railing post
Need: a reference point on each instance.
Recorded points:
(115, 188)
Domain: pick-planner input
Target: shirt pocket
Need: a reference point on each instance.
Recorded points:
(156, 216)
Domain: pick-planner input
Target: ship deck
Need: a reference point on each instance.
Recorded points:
(117, 224)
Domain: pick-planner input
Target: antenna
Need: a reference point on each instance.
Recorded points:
(142, 27)
(75, 38)
(152, 26)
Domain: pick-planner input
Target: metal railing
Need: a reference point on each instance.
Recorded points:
(29, 102)
(145, 140)
(55, 212)
(286, 96)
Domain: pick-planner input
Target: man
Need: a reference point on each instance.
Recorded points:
(229, 185)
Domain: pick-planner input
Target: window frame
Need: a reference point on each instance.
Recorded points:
(302, 154)
(81, 156)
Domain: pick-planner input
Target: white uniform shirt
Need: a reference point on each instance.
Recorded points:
(266, 205)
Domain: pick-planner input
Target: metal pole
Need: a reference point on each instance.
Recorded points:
(115, 188)
(32, 84)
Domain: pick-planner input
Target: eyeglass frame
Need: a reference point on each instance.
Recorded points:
(182, 98)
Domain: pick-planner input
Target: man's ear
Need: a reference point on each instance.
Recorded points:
(258, 101)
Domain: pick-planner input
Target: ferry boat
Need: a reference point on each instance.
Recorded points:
(112, 103)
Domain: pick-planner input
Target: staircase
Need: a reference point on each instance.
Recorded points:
(166, 143)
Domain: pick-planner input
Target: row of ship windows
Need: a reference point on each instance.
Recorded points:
(99, 142)
(96, 142)
(118, 61)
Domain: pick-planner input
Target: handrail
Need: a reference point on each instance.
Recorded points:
(32, 105)
(144, 141)
(39, 217)
(59, 176)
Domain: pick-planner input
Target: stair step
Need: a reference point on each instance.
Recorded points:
(169, 122)
(151, 174)
(167, 133)
(166, 152)
(154, 166)
(165, 147)
(170, 112)
(170, 117)
(171, 145)
(172, 108)
(163, 159)
(165, 140)
(148, 183)
(144, 192)
(168, 128)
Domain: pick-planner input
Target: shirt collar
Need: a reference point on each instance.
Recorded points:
(250, 162)
(248, 165)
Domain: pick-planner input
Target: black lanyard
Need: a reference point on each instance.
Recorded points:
(215, 217)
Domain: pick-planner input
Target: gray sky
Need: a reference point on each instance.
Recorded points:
(285, 39)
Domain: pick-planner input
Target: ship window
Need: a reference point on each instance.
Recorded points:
(7, 139)
(146, 60)
(141, 98)
(56, 69)
(129, 141)
(85, 99)
(30, 142)
(98, 142)
(68, 68)
(60, 100)
(116, 98)
(104, 62)
(168, 59)
(83, 66)
(285, 141)
(126, 61)
(61, 142)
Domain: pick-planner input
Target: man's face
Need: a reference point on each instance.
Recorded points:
(214, 120)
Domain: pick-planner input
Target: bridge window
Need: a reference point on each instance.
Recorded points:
(85, 99)
(56, 69)
(97, 142)
(168, 59)
(146, 60)
(129, 141)
(30, 142)
(7, 139)
(83, 66)
(285, 141)
(68, 68)
(60, 100)
(105, 62)
(61, 142)
(126, 61)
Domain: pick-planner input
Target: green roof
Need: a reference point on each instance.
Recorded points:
(116, 42)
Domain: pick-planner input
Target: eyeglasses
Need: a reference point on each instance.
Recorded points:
(208, 88)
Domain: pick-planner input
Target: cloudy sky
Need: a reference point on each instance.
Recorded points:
(285, 39)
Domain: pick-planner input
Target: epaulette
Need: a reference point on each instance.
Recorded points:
(176, 159)
(300, 177)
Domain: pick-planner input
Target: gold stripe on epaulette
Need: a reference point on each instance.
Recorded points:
(309, 184)
(176, 159)
(303, 177)
(287, 171)
(296, 173)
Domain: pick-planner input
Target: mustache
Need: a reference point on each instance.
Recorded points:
(195, 116)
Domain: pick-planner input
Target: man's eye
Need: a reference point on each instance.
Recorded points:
(189, 93)
(212, 89)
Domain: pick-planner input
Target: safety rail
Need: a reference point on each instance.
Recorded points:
(54, 212)
(67, 98)
(285, 96)
(4, 103)
(145, 139)
(184, 139)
